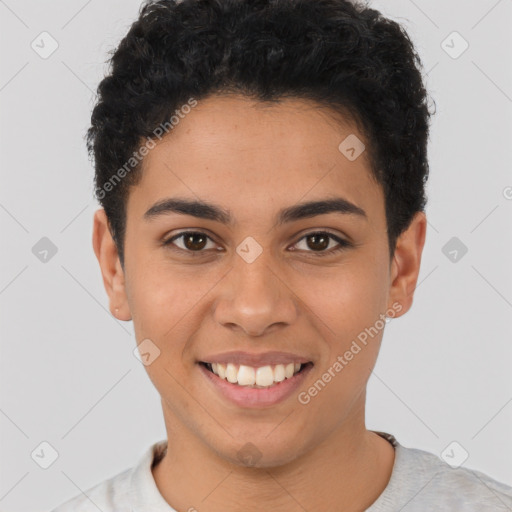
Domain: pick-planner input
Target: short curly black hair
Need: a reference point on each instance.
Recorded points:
(337, 53)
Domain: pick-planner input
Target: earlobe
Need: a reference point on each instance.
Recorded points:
(111, 269)
(406, 263)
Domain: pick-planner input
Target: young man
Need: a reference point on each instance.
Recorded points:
(261, 166)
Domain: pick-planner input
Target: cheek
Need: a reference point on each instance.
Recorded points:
(168, 305)
(156, 302)
(349, 306)
(349, 298)
(161, 312)
(349, 302)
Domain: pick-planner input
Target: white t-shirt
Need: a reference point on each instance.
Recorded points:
(420, 481)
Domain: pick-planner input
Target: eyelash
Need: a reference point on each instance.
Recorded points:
(342, 244)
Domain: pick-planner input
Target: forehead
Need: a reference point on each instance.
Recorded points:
(248, 155)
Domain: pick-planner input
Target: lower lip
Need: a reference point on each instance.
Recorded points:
(256, 397)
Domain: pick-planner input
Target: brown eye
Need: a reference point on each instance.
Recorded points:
(194, 241)
(191, 241)
(320, 241)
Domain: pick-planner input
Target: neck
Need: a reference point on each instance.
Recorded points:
(347, 471)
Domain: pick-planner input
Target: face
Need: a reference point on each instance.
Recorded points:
(258, 282)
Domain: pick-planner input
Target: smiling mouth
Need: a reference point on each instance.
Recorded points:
(250, 377)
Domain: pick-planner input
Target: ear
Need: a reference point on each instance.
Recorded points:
(111, 270)
(405, 266)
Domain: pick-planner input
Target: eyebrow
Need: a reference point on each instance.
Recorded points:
(209, 211)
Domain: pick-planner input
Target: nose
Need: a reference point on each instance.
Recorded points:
(255, 298)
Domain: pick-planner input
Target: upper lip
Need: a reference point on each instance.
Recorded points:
(262, 359)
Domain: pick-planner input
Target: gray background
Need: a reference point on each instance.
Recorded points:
(68, 373)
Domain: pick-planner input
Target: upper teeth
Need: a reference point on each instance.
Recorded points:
(263, 376)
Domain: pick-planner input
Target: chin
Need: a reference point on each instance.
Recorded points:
(260, 451)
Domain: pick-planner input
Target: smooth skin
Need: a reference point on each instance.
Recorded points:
(252, 160)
